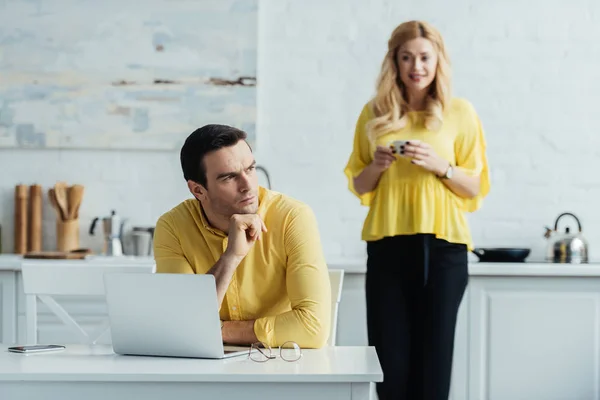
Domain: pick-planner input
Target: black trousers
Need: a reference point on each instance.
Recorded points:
(414, 287)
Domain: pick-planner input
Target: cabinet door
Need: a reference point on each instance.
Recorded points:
(534, 338)
(8, 307)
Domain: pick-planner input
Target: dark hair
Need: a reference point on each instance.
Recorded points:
(202, 141)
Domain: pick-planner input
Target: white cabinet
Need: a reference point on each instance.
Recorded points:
(8, 306)
(524, 331)
(534, 338)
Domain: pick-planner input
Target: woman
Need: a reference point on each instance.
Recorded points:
(418, 192)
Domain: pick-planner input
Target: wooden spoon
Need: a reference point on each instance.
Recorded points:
(53, 202)
(60, 189)
(75, 196)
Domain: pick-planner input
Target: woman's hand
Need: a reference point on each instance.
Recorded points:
(368, 179)
(423, 155)
(383, 158)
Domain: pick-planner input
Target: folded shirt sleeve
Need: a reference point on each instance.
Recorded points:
(360, 156)
(471, 155)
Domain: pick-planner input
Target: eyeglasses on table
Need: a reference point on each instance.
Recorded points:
(288, 351)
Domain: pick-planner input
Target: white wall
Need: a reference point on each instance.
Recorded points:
(530, 68)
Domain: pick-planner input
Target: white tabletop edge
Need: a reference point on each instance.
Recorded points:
(81, 363)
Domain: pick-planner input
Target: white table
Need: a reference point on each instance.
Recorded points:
(95, 372)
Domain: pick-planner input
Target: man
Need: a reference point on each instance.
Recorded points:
(262, 247)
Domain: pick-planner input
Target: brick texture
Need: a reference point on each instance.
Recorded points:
(531, 69)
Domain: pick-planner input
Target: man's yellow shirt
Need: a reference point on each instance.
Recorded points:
(282, 283)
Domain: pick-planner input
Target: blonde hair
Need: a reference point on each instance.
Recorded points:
(390, 104)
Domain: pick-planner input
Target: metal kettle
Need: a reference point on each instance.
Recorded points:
(566, 247)
(113, 233)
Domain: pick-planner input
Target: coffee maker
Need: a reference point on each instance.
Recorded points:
(113, 233)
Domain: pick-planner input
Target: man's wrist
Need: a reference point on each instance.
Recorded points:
(224, 333)
(231, 259)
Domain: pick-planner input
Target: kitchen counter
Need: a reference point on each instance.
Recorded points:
(533, 269)
(518, 322)
(12, 262)
(529, 268)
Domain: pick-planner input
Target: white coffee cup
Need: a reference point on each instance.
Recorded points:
(397, 146)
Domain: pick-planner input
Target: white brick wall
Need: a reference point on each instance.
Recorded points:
(531, 68)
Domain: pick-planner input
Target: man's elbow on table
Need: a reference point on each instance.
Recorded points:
(315, 332)
(316, 341)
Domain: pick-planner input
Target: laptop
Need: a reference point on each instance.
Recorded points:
(168, 315)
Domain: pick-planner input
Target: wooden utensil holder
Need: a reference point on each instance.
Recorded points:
(67, 235)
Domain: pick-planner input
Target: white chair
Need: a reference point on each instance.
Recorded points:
(44, 279)
(336, 278)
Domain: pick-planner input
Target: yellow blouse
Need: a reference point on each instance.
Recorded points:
(410, 200)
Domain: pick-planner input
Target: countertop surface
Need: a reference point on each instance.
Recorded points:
(12, 262)
(99, 363)
(529, 268)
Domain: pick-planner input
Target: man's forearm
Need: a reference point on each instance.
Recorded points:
(239, 332)
(223, 271)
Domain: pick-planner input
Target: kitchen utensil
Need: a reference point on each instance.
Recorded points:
(75, 196)
(67, 235)
(142, 241)
(566, 247)
(113, 233)
(501, 254)
(54, 203)
(34, 241)
(21, 201)
(60, 190)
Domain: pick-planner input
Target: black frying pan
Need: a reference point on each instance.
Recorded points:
(501, 254)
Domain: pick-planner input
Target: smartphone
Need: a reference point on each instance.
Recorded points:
(37, 348)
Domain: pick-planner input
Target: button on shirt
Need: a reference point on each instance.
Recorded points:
(282, 283)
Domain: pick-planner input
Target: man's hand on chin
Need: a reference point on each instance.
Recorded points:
(244, 231)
